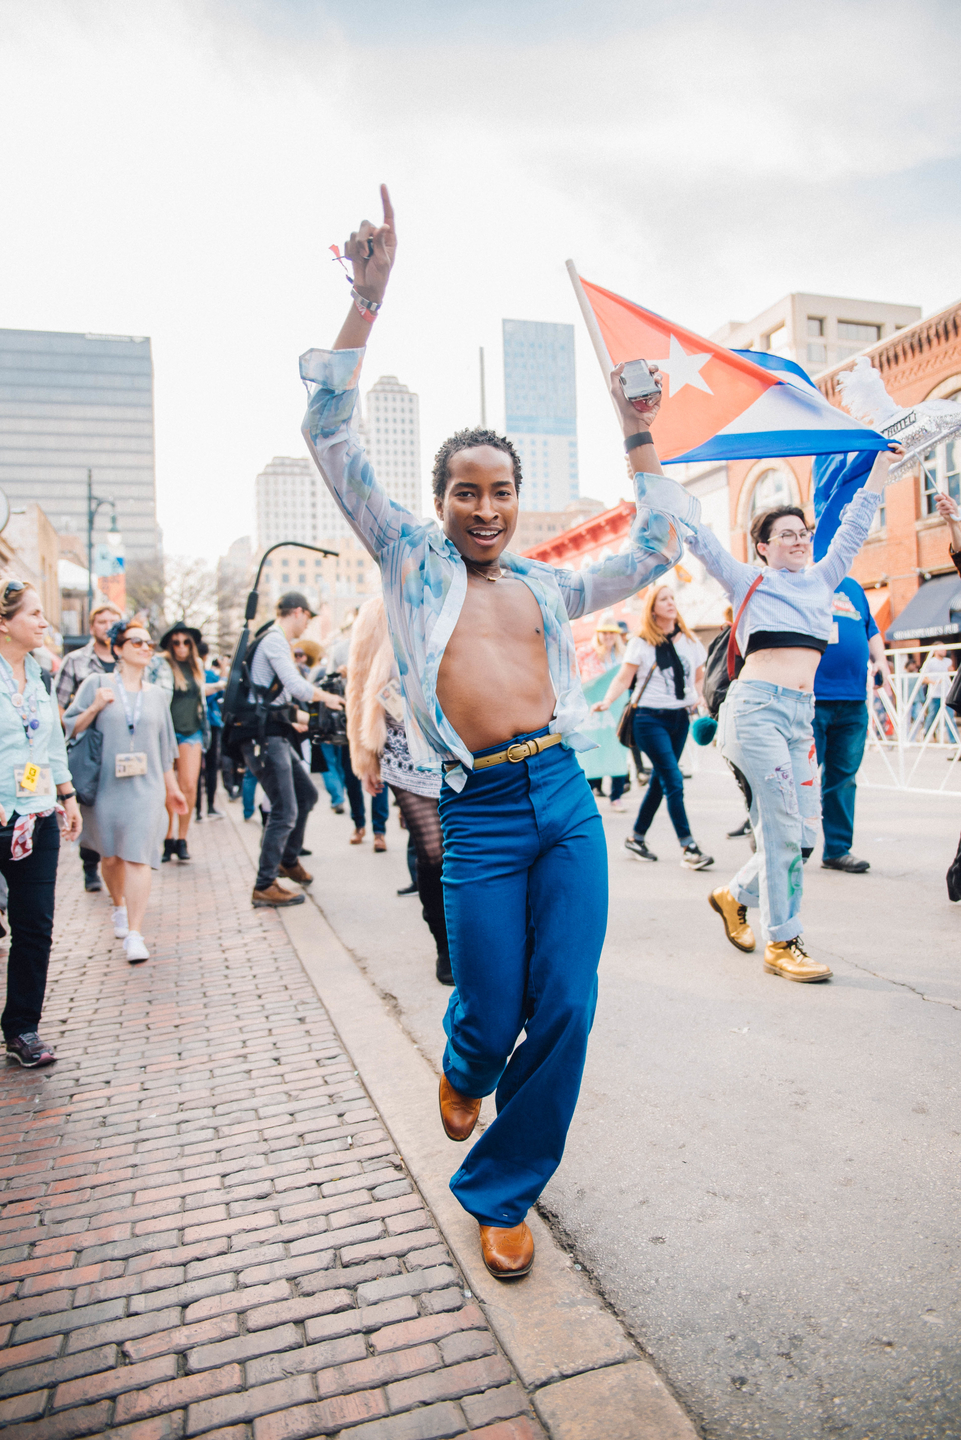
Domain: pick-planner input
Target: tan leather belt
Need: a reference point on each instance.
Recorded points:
(515, 753)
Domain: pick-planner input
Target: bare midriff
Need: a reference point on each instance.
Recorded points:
(494, 681)
(792, 668)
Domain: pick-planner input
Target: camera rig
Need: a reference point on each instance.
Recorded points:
(245, 719)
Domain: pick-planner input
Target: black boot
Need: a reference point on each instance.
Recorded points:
(442, 969)
(91, 879)
(170, 850)
(182, 850)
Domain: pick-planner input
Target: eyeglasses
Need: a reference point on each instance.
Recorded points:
(140, 644)
(790, 536)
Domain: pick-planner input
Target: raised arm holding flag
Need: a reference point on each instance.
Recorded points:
(783, 607)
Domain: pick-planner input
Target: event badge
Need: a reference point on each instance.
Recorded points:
(133, 763)
(33, 780)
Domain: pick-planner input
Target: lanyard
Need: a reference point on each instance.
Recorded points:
(25, 705)
(131, 720)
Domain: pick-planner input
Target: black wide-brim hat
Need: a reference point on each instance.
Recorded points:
(180, 629)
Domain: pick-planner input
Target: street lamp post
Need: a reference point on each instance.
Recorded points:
(93, 506)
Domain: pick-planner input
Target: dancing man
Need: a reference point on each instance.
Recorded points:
(492, 699)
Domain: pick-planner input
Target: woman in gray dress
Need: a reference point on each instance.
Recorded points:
(128, 818)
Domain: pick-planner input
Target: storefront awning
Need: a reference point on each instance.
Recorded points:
(935, 611)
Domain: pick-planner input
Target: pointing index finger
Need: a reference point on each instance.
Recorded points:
(388, 207)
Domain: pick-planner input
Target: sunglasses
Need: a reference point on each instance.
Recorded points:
(13, 587)
(140, 644)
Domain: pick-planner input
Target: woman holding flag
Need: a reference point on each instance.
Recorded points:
(783, 624)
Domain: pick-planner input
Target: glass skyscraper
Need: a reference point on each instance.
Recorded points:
(541, 410)
(69, 403)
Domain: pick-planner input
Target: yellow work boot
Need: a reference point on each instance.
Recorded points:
(736, 928)
(790, 959)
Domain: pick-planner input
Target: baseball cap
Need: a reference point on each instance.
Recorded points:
(294, 600)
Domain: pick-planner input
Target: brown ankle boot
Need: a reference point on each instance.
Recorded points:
(508, 1253)
(277, 896)
(458, 1113)
(296, 872)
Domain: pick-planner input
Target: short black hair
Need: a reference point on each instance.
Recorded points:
(762, 524)
(469, 440)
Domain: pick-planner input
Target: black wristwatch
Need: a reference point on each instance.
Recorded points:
(643, 437)
(67, 795)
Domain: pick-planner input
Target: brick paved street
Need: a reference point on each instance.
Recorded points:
(205, 1229)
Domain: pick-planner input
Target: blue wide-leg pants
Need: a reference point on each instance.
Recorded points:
(525, 893)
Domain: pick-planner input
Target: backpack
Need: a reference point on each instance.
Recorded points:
(716, 679)
(245, 719)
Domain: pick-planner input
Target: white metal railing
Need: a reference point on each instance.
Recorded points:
(915, 729)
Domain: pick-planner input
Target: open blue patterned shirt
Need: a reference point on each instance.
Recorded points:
(425, 579)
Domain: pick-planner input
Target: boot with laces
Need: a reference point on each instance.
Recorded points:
(790, 959)
(736, 928)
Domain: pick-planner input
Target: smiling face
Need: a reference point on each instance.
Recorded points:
(480, 504)
(28, 626)
(785, 550)
(137, 647)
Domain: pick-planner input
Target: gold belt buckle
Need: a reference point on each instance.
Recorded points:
(520, 752)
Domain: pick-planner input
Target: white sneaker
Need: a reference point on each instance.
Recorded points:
(134, 948)
(119, 917)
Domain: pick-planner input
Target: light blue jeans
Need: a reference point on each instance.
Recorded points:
(766, 731)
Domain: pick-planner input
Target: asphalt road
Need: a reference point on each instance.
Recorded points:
(762, 1177)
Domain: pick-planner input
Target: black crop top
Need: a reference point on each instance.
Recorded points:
(784, 640)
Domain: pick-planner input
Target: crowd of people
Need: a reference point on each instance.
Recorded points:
(463, 701)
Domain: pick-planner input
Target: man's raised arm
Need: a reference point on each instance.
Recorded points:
(332, 377)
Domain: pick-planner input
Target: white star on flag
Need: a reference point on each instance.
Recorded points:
(684, 369)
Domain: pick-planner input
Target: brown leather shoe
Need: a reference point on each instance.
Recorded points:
(358, 836)
(508, 1254)
(296, 872)
(736, 928)
(380, 842)
(277, 896)
(790, 959)
(458, 1113)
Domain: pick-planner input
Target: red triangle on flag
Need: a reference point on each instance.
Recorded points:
(706, 386)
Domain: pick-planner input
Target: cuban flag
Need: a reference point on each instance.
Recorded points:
(720, 404)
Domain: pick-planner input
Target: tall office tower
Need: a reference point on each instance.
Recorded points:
(540, 406)
(392, 426)
(286, 501)
(69, 403)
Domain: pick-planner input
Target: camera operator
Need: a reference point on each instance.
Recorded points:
(278, 765)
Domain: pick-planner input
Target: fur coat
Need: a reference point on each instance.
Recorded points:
(369, 667)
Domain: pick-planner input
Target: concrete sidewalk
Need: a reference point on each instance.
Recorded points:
(207, 1228)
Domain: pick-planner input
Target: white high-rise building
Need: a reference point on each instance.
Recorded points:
(392, 436)
(293, 503)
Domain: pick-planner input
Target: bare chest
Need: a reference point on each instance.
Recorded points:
(503, 612)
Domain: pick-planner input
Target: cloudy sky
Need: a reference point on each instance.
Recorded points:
(178, 170)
